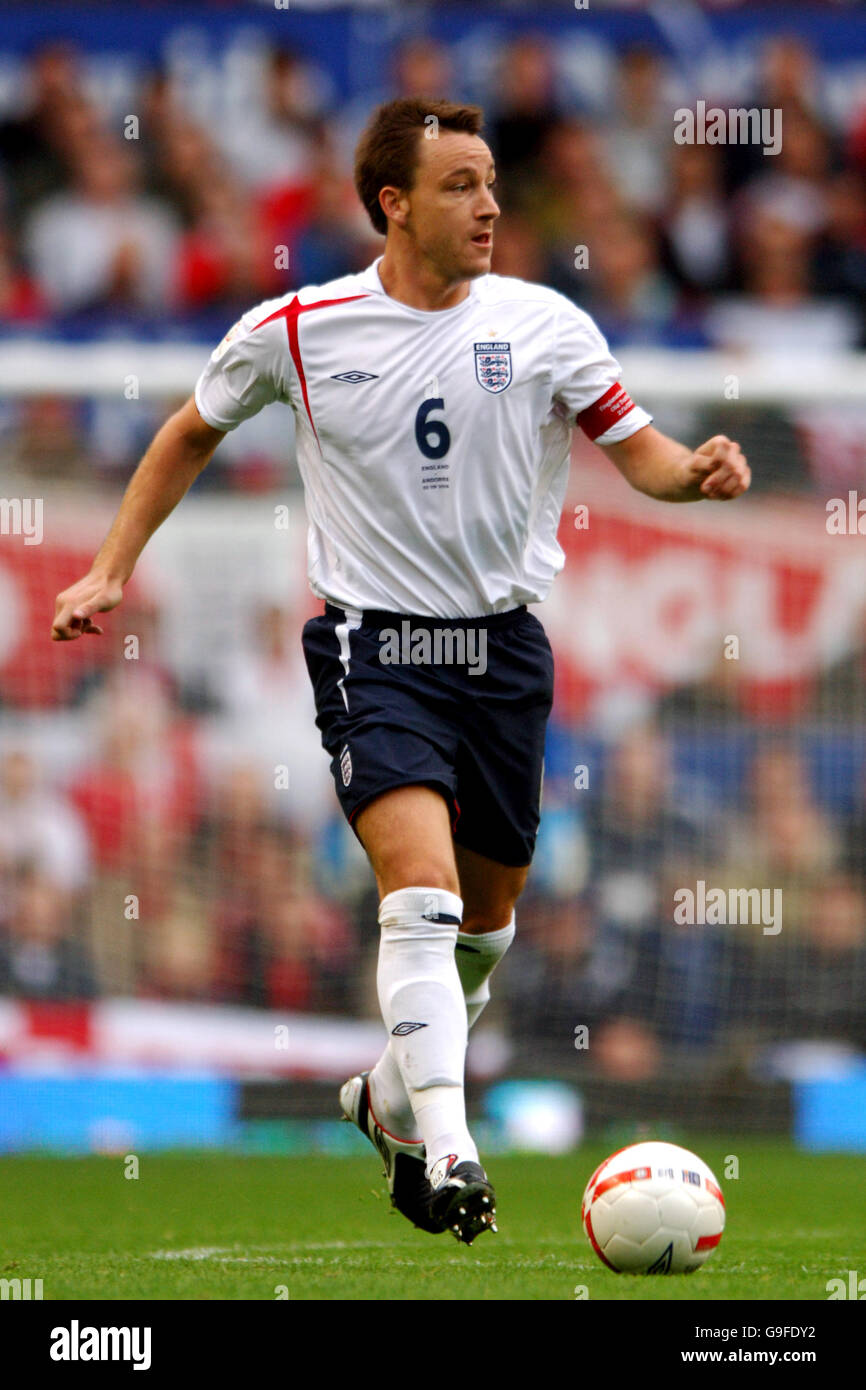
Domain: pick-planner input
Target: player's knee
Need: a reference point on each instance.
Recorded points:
(408, 872)
(491, 917)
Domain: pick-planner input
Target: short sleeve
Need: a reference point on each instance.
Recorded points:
(587, 390)
(248, 370)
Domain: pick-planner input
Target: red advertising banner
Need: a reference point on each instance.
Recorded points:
(652, 597)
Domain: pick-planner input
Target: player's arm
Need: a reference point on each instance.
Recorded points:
(662, 468)
(178, 453)
(587, 390)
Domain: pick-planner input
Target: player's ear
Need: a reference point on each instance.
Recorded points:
(395, 205)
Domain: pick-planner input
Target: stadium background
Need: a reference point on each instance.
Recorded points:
(187, 929)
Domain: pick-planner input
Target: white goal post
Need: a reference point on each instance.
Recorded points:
(104, 369)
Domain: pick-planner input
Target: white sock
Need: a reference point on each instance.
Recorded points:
(422, 1003)
(440, 1113)
(477, 955)
(389, 1100)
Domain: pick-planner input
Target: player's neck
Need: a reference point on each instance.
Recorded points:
(419, 286)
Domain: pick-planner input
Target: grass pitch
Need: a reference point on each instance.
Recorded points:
(218, 1226)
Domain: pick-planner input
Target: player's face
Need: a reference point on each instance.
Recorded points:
(451, 207)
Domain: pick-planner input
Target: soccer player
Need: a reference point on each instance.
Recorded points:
(434, 405)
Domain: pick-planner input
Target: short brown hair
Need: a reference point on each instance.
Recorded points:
(387, 152)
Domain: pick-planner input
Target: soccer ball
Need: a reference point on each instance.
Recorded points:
(653, 1208)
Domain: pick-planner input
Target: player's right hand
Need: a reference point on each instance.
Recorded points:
(74, 607)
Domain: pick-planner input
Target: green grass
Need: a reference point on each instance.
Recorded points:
(236, 1228)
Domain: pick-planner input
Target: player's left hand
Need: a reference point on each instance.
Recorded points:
(720, 469)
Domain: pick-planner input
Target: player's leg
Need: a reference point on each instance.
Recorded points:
(391, 854)
(489, 891)
(499, 769)
(500, 773)
(391, 743)
(407, 835)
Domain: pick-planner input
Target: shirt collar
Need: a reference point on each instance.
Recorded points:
(370, 280)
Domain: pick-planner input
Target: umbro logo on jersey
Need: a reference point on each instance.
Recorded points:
(493, 366)
(354, 377)
(403, 1029)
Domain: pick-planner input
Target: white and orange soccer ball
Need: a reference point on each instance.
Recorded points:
(653, 1208)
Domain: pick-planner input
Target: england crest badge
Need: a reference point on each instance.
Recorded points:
(493, 366)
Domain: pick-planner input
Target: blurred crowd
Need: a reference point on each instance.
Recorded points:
(166, 214)
(186, 854)
(198, 854)
(656, 992)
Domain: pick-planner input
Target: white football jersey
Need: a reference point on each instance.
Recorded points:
(433, 445)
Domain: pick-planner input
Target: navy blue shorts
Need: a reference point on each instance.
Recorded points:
(460, 705)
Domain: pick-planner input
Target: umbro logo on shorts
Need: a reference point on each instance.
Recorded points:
(354, 377)
(346, 766)
(403, 1028)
